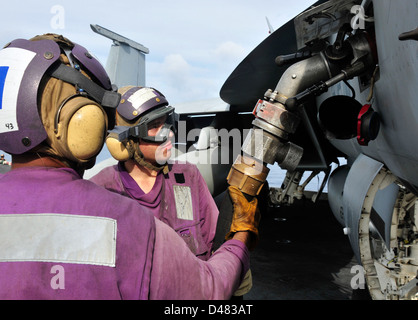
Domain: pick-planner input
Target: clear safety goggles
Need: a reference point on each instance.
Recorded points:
(154, 127)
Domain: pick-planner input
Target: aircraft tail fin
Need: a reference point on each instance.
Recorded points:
(126, 61)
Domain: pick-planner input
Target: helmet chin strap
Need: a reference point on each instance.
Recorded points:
(133, 148)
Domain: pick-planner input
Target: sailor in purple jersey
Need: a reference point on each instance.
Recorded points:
(62, 237)
(198, 230)
(176, 192)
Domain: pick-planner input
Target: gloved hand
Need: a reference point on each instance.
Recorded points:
(246, 216)
(245, 286)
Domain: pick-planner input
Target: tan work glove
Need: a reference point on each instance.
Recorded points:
(246, 216)
(246, 285)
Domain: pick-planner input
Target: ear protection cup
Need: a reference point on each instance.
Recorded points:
(80, 128)
(117, 149)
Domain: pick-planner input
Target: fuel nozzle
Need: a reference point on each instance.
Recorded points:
(267, 142)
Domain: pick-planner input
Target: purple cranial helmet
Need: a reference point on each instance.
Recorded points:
(23, 66)
(143, 114)
(139, 106)
(138, 100)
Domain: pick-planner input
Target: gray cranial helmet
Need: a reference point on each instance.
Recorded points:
(24, 66)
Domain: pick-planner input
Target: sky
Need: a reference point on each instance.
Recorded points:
(194, 45)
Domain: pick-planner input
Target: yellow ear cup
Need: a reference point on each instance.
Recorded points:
(86, 132)
(117, 149)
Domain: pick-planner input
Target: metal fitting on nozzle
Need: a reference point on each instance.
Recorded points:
(248, 175)
(266, 143)
(276, 123)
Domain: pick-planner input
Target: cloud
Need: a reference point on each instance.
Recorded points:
(180, 81)
(184, 78)
(228, 52)
(176, 70)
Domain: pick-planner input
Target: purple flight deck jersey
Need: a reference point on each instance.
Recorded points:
(62, 237)
(180, 198)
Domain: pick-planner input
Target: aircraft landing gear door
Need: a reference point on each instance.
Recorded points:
(382, 229)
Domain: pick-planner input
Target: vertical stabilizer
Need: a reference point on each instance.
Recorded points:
(126, 61)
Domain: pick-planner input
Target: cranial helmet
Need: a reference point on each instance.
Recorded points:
(138, 107)
(55, 98)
